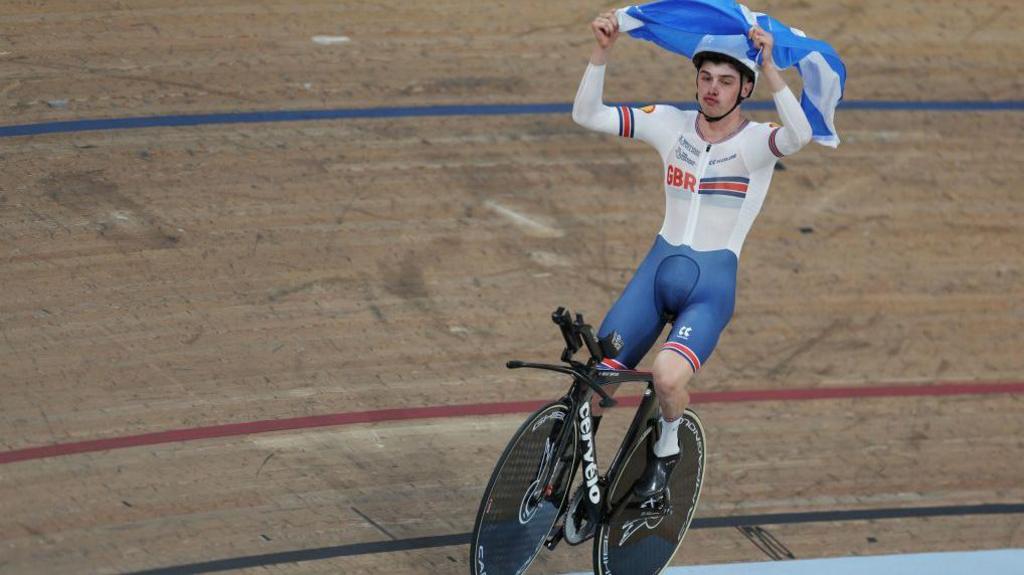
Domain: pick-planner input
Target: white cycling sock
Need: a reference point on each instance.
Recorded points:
(668, 443)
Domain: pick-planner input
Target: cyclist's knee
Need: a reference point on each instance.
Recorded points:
(671, 373)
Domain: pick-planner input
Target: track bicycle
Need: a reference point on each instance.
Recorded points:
(533, 498)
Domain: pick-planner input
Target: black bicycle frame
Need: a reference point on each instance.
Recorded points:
(586, 382)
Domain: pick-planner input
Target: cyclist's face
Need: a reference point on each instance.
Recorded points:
(717, 87)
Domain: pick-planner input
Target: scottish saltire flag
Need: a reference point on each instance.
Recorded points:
(678, 25)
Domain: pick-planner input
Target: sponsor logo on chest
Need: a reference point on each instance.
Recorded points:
(687, 152)
(717, 161)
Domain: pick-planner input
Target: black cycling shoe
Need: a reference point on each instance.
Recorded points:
(654, 481)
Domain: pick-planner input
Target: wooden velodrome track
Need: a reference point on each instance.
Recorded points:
(183, 278)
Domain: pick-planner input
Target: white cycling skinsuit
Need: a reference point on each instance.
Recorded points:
(713, 192)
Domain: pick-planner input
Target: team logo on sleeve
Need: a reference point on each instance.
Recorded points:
(648, 109)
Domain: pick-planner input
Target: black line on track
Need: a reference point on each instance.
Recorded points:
(416, 543)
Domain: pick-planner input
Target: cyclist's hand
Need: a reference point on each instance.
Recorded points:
(764, 41)
(606, 29)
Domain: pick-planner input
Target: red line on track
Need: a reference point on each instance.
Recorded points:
(382, 415)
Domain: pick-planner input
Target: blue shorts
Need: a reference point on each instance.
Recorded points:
(695, 290)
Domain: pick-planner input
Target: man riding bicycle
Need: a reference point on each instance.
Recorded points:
(718, 166)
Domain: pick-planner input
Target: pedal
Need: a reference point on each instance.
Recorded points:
(663, 511)
(656, 506)
(554, 538)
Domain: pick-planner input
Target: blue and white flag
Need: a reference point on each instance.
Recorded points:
(679, 25)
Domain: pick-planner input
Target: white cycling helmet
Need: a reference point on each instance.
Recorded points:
(734, 47)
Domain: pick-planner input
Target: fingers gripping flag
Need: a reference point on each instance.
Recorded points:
(679, 25)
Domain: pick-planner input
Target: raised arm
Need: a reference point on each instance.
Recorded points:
(651, 124)
(588, 110)
(795, 132)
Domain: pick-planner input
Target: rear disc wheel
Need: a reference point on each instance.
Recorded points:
(636, 541)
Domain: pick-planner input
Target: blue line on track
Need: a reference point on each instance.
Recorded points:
(179, 120)
(265, 560)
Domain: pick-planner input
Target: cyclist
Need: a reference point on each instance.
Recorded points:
(718, 166)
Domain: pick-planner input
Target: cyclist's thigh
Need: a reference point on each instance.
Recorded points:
(708, 308)
(695, 333)
(635, 316)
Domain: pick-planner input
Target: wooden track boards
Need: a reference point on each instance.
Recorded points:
(174, 278)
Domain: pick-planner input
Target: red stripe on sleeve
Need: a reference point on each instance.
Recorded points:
(772, 146)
